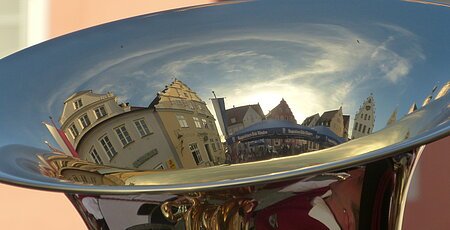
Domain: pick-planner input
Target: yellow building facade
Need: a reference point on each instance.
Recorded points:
(190, 126)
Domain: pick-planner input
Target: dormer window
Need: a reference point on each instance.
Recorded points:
(77, 104)
(100, 112)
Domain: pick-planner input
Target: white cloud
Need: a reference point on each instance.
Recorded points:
(313, 67)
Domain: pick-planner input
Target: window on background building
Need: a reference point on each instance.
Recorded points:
(77, 104)
(364, 129)
(197, 122)
(123, 135)
(211, 125)
(73, 130)
(365, 116)
(142, 127)
(84, 121)
(368, 117)
(218, 144)
(108, 147)
(359, 128)
(204, 123)
(196, 153)
(95, 156)
(191, 106)
(84, 179)
(356, 125)
(100, 112)
(361, 115)
(182, 121)
(213, 145)
(159, 167)
(368, 130)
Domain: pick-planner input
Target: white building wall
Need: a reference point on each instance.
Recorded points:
(364, 119)
(91, 101)
(251, 117)
(139, 146)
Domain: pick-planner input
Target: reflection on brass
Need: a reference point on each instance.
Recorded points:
(301, 110)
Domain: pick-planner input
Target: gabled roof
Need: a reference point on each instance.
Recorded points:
(79, 93)
(309, 119)
(238, 113)
(282, 110)
(327, 116)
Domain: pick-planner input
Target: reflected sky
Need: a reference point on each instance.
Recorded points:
(317, 55)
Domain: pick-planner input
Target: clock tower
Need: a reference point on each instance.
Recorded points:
(364, 119)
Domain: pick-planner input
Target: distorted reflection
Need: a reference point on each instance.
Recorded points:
(177, 130)
(325, 201)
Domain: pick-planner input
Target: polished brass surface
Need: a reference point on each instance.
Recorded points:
(318, 115)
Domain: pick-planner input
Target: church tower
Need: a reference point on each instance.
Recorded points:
(364, 118)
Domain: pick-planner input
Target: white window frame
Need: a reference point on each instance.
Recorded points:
(123, 135)
(99, 113)
(84, 121)
(219, 144)
(182, 121)
(95, 156)
(108, 147)
(213, 145)
(193, 147)
(78, 104)
(75, 133)
(160, 166)
(142, 127)
(205, 123)
(197, 122)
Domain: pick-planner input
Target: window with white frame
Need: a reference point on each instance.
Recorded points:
(108, 147)
(204, 123)
(123, 135)
(182, 121)
(213, 145)
(100, 112)
(77, 104)
(211, 125)
(95, 156)
(159, 167)
(84, 121)
(73, 130)
(218, 144)
(196, 153)
(142, 127)
(197, 122)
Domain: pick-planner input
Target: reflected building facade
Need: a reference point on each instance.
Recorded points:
(241, 117)
(281, 112)
(335, 120)
(364, 118)
(175, 131)
(189, 125)
(106, 132)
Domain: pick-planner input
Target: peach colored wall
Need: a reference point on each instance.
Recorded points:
(431, 209)
(71, 15)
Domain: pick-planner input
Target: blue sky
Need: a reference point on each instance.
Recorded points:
(317, 55)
